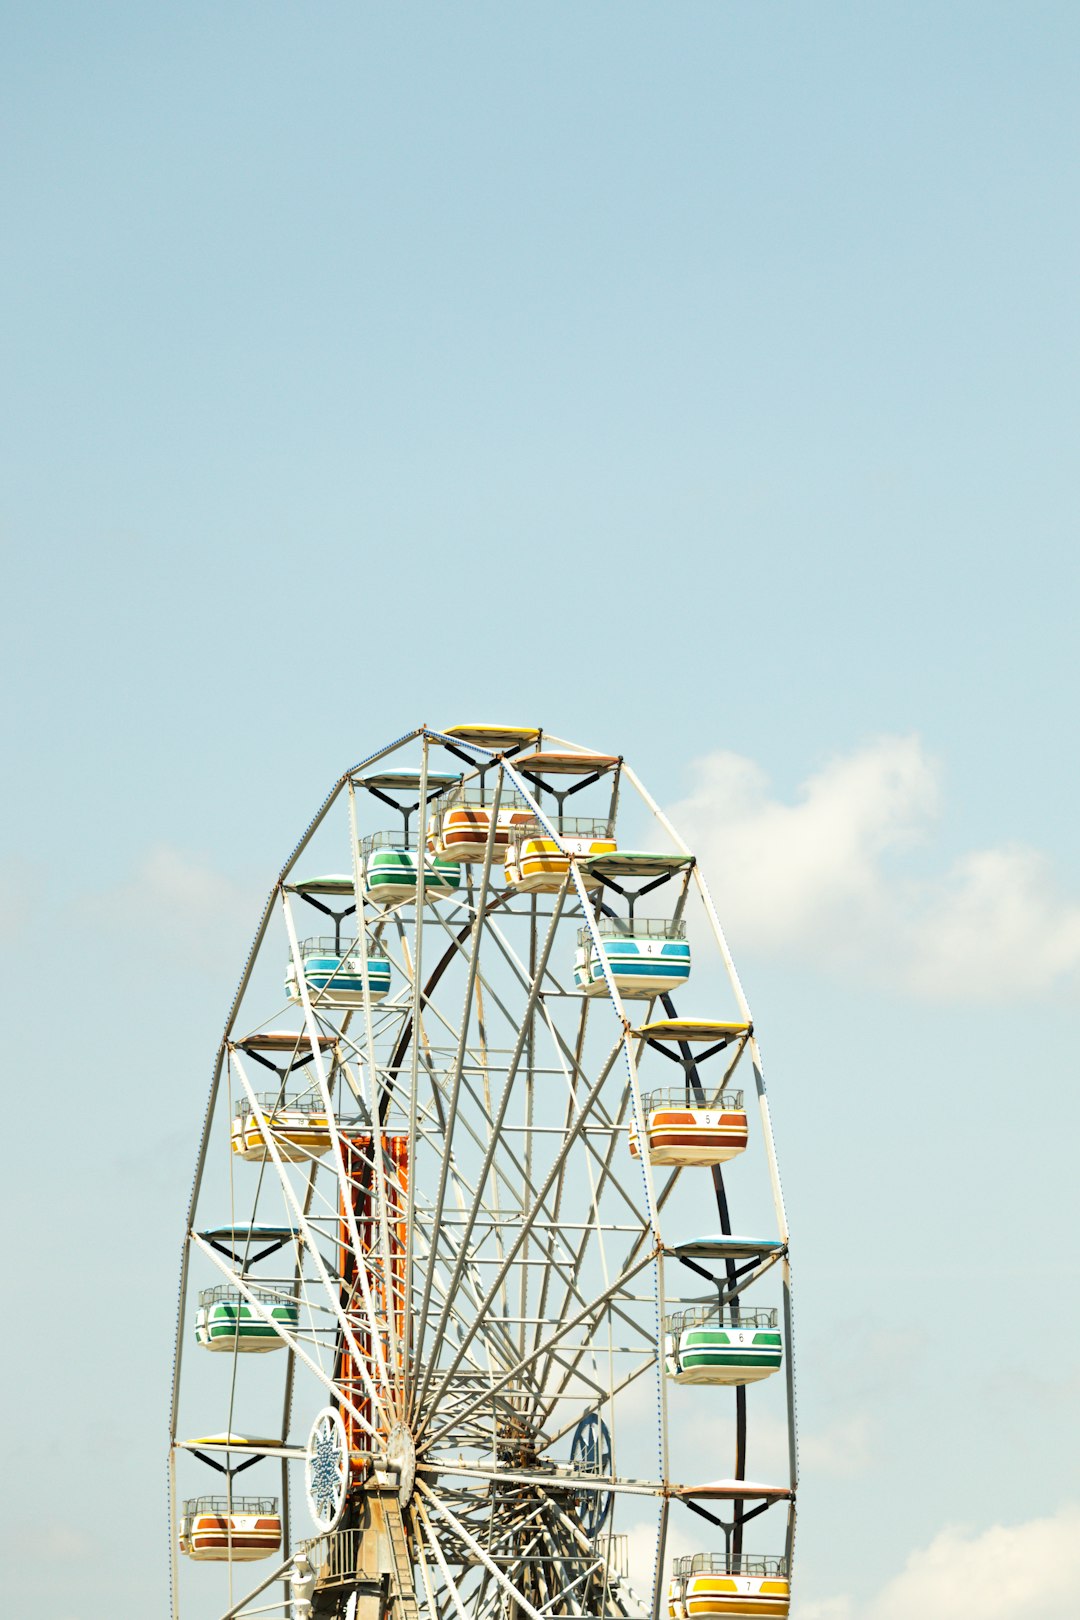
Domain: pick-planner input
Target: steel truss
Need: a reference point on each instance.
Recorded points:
(500, 1279)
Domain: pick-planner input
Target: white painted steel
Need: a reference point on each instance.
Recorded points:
(527, 1292)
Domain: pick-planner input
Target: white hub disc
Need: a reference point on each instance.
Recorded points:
(326, 1472)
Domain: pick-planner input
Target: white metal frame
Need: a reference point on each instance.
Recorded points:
(534, 1253)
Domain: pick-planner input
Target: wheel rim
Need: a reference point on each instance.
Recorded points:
(469, 1264)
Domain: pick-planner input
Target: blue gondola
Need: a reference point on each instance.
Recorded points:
(334, 973)
(649, 956)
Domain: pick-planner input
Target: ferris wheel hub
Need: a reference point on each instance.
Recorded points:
(399, 1460)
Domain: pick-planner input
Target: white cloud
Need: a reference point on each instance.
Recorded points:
(177, 900)
(837, 1448)
(641, 1545)
(828, 876)
(1009, 1572)
(997, 922)
(56, 1544)
(840, 1450)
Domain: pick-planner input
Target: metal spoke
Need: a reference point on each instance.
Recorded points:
(474, 1546)
(562, 1330)
(477, 1263)
(571, 1137)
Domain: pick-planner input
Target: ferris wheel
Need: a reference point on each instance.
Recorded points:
(466, 1330)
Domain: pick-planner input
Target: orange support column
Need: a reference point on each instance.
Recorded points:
(387, 1293)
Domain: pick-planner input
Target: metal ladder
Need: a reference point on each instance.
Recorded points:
(401, 1579)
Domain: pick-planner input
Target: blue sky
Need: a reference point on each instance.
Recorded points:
(698, 381)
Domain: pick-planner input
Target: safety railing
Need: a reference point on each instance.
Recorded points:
(634, 928)
(478, 795)
(229, 1504)
(282, 1113)
(225, 1293)
(395, 839)
(273, 1103)
(682, 1097)
(348, 950)
(566, 827)
(761, 1565)
(615, 1552)
(714, 1316)
(334, 1557)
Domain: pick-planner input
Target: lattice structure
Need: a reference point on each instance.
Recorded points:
(471, 1171)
